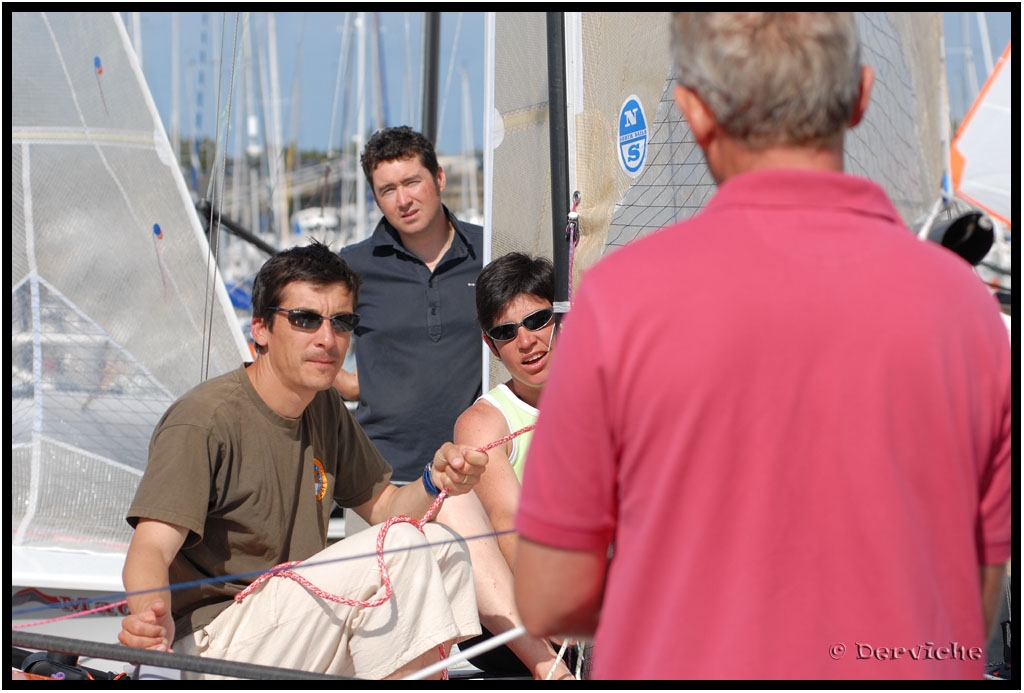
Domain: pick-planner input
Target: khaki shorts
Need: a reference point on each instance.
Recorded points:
(282, 624)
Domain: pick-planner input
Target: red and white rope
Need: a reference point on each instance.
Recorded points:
(284, 569)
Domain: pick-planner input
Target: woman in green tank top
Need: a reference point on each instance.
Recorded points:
(514, 298)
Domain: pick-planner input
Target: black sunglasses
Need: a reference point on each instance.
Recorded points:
(534, 321)
(310, 321)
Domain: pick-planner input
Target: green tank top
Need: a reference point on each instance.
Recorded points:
(517, 414)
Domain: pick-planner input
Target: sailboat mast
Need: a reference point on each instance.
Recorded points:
(292, 162)
(408, 99)
(379, 88)
(342, 68)
(431, 60)
(559, 145)
(276, 149)
(175, 85)
(234, 203)
(970, 75)
(986, 44)
(200, 81)
(469, 192)
(254, 149)
(360, 230)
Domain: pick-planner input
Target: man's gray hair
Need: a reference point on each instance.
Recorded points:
(772, 78)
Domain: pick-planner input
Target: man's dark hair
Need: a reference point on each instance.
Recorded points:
(507, 277)
(400, 142)
(315, 263)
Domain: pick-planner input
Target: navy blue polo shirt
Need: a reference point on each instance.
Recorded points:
(418, 346)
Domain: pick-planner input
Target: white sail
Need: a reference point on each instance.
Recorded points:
(117, 306)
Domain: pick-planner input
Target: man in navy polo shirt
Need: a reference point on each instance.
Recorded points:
(417, 345)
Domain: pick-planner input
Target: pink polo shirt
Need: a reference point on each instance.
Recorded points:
(792, 418)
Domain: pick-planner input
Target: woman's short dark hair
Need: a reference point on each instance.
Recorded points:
(509, 276)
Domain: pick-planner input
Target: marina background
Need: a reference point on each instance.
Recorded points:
(309, 45)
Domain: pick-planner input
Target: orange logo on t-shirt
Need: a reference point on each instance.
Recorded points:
(320, 477)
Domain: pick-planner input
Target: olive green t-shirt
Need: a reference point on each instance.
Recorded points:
(253, 488)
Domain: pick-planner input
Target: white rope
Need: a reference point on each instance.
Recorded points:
(554, 664)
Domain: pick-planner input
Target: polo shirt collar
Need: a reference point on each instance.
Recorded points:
(806, 189)
(386, 236)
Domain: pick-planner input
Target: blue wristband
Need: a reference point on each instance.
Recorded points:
(428, 483)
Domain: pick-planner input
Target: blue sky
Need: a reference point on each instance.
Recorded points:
(965, 49)
(309, 45)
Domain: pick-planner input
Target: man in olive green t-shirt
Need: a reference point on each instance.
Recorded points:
(242, 473)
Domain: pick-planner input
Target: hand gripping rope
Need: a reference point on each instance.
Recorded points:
(284, 569)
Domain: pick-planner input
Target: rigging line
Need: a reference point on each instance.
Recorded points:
(286, 566)
(293, 153)
(96, 610)
(218, 154)
(380, 85)
(218, 179)
(342, 65)
(236, 577)
(451, 68)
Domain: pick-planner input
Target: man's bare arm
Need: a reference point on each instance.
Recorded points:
(146, 580)
(992, 577)
(559, 592)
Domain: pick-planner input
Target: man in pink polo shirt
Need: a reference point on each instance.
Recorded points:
(804, 473)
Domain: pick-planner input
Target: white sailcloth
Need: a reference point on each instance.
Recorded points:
(117, 306)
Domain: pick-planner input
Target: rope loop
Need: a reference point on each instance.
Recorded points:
(285, 569)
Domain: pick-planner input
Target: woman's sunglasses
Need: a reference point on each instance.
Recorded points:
(536, 320)
(309, 321)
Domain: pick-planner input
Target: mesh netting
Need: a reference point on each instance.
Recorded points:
(618, 55)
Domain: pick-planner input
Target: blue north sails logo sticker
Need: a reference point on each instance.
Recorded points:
(632, 137)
